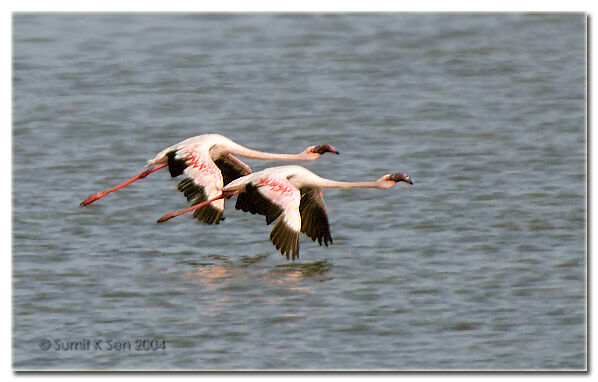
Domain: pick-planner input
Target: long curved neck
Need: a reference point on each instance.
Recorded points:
(327, 183)
(246, 152)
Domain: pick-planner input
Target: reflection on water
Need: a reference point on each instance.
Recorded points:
(231, 271)
(247, 261)
(299, 271)
(209, 273)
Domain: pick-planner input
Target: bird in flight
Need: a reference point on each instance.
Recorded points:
(290, 196)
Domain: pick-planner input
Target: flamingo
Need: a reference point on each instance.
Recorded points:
(209, 163)
(291, 195)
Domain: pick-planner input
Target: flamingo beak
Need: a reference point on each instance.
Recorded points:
(400, 177)
(321, 149)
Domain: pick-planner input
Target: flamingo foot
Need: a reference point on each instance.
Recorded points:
(92, 198)
(166, 217)
(141, 175)
(171, 215)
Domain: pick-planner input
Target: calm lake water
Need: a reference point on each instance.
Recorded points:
(481, 264)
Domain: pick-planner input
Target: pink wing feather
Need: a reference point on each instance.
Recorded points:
(204, 181)
(277, 199)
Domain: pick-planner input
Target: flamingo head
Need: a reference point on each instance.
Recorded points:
(321, 149)
(389, 180)
(400, 177)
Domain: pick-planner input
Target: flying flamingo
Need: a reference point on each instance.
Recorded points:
(293, 195)
(209, 163)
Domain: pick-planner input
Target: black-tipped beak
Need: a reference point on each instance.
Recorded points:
(400, 177)
(321, 149)
(331, 149)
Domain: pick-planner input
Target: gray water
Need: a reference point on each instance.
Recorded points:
(481, 264)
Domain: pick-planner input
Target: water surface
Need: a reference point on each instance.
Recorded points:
(479, 265)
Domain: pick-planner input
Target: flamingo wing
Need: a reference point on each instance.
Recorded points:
(314, 219)
(204, 181)
(231, 167)
(275, 198)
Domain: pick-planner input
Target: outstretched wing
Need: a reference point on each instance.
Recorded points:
(275, 198)
(314, 219)
(204, 181)
(231, 168)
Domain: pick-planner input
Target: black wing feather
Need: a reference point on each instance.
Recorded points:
(285, 239)
(206, 214)
(191, 190)
(252, 201)
(175, 166)
(314, 219)
(231, 168)
(282, 236)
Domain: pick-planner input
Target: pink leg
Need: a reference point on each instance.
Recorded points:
(142, 175)
(171, 215)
